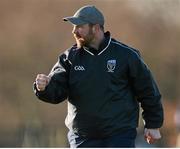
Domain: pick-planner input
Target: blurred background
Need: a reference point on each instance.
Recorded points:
(32, 35)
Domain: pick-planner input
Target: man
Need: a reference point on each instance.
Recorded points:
(104, 82)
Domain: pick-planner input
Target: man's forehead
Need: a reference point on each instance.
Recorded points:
(82, 25)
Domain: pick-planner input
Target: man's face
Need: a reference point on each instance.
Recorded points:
(83, 34)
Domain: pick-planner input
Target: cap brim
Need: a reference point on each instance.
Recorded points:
(75, 20)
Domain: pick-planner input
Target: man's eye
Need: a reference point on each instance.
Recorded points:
(79, 26)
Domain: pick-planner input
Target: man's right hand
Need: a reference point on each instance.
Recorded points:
(42, 81)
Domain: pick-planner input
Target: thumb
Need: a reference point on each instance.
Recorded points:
(147, 136)
(48, 79)
(146, 133)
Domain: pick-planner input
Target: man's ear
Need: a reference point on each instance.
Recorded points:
(96, 28)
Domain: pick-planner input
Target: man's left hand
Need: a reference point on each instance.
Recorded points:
(151, 135)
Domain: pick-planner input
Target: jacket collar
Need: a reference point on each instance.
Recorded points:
(102, 47)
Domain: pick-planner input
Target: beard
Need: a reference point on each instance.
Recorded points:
(84, 41)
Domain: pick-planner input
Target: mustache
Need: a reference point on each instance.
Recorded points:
(77, 35)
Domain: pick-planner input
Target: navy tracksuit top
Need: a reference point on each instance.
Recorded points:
(104, 89)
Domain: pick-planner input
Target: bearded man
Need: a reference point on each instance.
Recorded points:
(104, 82)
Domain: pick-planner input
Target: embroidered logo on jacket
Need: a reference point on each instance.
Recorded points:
(111, 64)
(79, 68)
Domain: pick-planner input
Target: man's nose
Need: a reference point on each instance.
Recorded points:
(74, 31)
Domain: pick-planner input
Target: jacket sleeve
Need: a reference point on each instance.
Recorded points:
(57, 89)
(146, 91)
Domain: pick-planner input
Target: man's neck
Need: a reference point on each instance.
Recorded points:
(97, 41)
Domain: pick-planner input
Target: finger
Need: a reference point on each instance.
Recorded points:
(146, 134)
(148, 137)
(44, 78)
(41, 80)
(40, 87)
(41, 76)
(150, 140)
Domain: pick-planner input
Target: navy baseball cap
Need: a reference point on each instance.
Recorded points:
(86, 15)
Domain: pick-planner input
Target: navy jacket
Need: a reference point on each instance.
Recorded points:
(104, 89)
